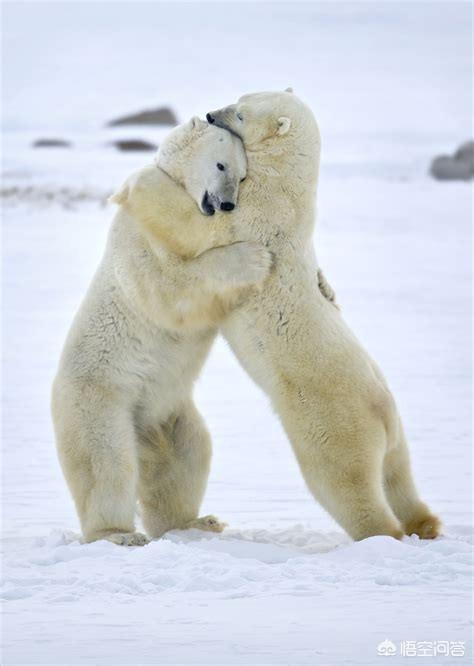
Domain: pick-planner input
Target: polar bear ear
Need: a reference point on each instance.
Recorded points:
(121, 196)
(284, 125)
(289, 89)
(196, 122)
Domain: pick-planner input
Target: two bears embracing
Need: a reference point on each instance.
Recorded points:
(126, 425)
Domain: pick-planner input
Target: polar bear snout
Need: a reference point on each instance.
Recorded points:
(225, 119)
(207, 205)
(210, 202)
(221, 193)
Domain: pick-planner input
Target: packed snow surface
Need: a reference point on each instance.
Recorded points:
(390, 85)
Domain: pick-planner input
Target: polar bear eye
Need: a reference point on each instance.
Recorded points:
(220, 166)
(240, 116)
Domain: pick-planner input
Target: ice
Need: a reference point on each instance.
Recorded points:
(390, 85)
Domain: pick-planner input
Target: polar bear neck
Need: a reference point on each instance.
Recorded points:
(295, 166)
(282, 207)
(288, 176)
(279, 193)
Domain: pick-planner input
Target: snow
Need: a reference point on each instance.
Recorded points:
(282, 584)
(251, 596)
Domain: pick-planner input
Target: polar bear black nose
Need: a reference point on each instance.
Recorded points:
(210, 119)
(227, 205)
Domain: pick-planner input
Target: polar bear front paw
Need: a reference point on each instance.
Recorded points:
(207, 523)
(252, 263)
(326, 290)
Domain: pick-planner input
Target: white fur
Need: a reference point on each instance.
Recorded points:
(201, 159)
(331, 398)
(125, 423)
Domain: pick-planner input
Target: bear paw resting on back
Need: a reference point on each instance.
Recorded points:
(125, 421)
(198, 245)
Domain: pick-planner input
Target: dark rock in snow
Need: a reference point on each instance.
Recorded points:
(465, 152)
(51, 143)
(129, 145)
(446, 167)
(459, 166)
(160, 116)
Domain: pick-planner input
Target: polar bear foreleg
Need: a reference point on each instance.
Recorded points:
(174, 461)
(235, 266)
(96, 446)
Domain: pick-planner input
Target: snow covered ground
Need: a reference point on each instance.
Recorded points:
(390, 84)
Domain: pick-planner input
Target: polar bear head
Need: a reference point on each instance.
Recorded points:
(207, 161)
(276, 124)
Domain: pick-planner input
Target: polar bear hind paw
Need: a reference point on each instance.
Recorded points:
(127, 538)
(207, 523)
(429, 527)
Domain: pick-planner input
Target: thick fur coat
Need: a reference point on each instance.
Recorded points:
(125, 422)
(330, 395)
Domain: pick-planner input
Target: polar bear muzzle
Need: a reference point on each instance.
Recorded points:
(207, 205)
(225, 119)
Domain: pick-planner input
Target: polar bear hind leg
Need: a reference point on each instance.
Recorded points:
(96, 445)
(402, 495)
(353, 494)
(342, 465)
(174, 461)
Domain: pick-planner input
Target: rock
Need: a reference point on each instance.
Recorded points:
(129, 145)
(160, 116)
(459, 166)
(465, 152)
(51, 143)
(446, 167)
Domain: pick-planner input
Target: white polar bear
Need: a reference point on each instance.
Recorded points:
(330, 395)
(125, 422)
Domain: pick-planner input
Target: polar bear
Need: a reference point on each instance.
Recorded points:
(125, 422)
(173, 225)
(331, 397)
